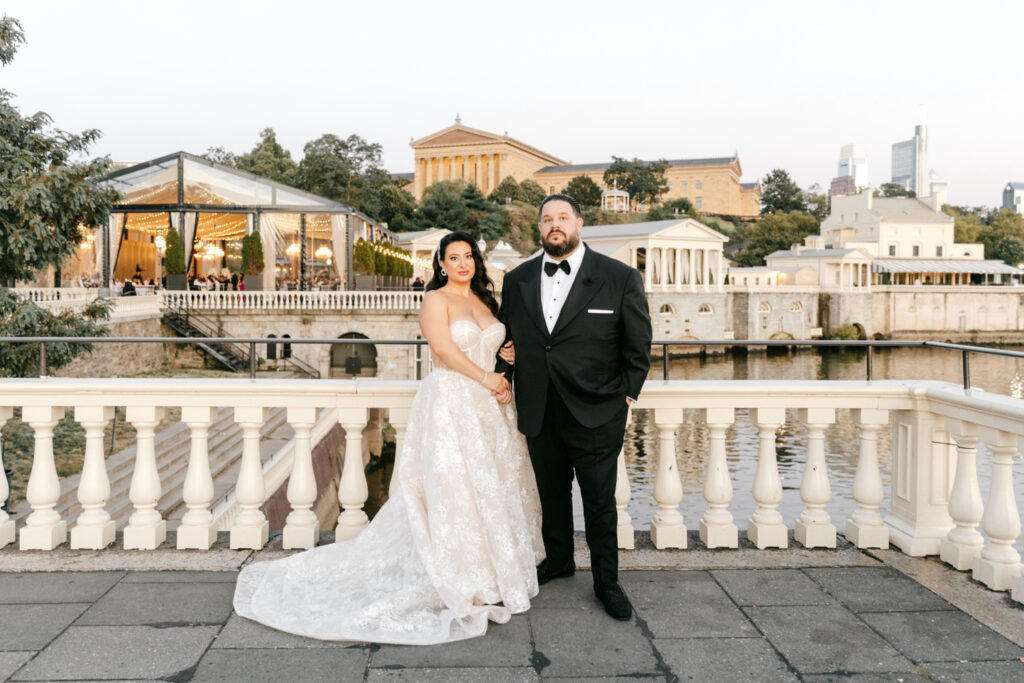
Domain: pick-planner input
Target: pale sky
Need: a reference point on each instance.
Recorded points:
(783, 83)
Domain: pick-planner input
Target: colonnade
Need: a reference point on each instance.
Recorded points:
(482, 170)
(854, 275)
(679, 269)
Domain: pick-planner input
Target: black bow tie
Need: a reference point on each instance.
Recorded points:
(550, 267)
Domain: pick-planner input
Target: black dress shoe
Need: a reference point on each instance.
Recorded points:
(615, 602)
(546, 571)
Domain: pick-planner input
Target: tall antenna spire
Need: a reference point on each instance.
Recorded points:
(458, 119)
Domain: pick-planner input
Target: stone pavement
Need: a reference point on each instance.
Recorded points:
(787, 616)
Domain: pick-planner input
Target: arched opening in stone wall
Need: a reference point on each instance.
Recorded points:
(286, 348)
(353, 360)
(271, 348)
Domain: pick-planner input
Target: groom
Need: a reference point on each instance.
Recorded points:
(582, 333)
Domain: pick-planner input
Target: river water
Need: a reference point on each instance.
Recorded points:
(992, 373)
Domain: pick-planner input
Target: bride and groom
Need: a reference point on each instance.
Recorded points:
(481, 515)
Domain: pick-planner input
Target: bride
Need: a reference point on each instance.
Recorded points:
(458, 542)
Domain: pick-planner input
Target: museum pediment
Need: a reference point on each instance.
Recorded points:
(457, 135)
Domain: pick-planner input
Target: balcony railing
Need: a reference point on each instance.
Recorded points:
(936, 506)
(281, 301)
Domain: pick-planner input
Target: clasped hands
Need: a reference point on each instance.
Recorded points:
(503, 391)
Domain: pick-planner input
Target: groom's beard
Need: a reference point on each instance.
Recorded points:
(559, 250)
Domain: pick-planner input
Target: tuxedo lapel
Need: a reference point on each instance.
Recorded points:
(584, 287)
(530, 293)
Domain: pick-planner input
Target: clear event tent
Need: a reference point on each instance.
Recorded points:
(307, 239)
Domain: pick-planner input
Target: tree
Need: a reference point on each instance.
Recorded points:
(22, 318)
(896, 190)
(252, 254)
(363, 258)
(220, 155)
(507, 190)
(531, 192)
(1009, 250)
(46, 195)
(442, 207)
(644, 181)
(584, 190)
(396, 207)
(780, 194)
(267, 159)
(775, 232)
(174, 258)
(816, 202)
(1006, 223)
(967, 223)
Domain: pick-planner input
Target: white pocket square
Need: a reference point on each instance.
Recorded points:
(605, 311)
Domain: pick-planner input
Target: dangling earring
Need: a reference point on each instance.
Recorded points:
(444, 273)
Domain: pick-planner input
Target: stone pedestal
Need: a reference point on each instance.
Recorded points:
(304, 537)
(145, 537)
(250, 537)
(43, 537)
(815, 535)
(718, 536)
(92, 537)
(196, 537)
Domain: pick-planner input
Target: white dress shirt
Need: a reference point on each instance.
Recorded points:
(555, 288)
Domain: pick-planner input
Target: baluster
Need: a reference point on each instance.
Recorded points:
(250, 528)
(865, 528)
(999, 563)
(766, 528)
(399, 418)
(668, 529)
(6, 523)
(302, 528)
(963, 543)
(44, 529)
(197, 529)
(94, 529)
(146, 528)
(624, 524)
(373, 435)
(352, 491)
(717, 529)
(814, 529)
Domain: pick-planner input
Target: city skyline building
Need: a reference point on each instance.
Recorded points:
(1013, 197)
(853, 163)
(910, 162)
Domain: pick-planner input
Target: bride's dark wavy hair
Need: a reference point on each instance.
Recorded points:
(480, 285)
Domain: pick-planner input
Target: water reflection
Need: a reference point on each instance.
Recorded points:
(992, 373)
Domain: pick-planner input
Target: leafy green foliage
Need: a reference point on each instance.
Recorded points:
(174, 258)
(22, 318)
(252, 254)
(506, 191)
(816, 202)
(644, 181)
(267, 159)
(531, 192)
(585, 191)
(45, 193)
(775, 232)
(780, 194)
(848, 331)
(363, 258)
(1009, 250)
(680, 207)
(895, 190)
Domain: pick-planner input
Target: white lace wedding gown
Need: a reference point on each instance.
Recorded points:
(456, 544)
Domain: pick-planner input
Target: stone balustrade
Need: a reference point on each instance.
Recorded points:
(939, 432)
(200, 300)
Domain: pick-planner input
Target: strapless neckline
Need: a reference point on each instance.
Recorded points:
(474, 324)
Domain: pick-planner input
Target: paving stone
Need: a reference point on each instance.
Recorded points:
(586, 642)
(11, 662)
(902, 677)
(684, 605)
(242, 633)
(282, 665)
(764, 587)
(876, 589)
(723, 659)
(455, 675)
(976, 672)
(826, 639)
(180, 577)
(604, 679)
(55, 587)
(576, 591)
(118, 652)
(942, 636)
(504, 645)
(177, 604)
(32, 627)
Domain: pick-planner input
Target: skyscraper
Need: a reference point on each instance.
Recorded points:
(853, 163)
(909, 162)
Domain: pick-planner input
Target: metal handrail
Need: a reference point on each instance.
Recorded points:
(868, 344)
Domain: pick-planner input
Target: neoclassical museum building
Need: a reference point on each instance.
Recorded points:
(484, 159)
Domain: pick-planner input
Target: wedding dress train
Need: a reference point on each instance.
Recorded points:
(456, 545)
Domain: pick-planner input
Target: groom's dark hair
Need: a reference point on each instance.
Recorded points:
(560, 197)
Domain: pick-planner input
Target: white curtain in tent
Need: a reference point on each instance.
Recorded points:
(116, 229)
(272, 243)
(189, 238)
(339, 246)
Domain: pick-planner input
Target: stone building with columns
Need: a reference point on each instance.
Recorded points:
(484, 159)
(462, 153)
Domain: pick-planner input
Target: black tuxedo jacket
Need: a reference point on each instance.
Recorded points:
(598, 352)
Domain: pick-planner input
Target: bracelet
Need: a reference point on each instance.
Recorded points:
(484, 380)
